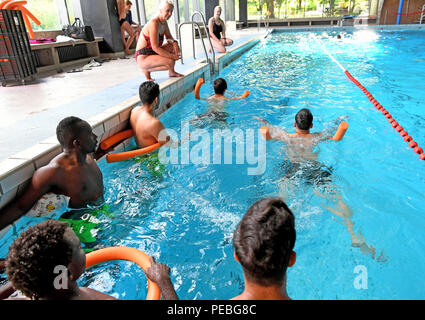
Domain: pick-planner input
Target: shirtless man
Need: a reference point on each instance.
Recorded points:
(148, 129)
(33, 250)
(302, 161)
(220, 87)
(73, 173)
(151, 54)
(264, 241)
(125, 26)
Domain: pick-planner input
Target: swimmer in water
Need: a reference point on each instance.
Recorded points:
(302, 163)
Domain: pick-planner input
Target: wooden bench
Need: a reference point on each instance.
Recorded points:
(52, 56)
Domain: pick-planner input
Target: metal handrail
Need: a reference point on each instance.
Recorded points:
(422, 14)
(200, 35)
(193, 43)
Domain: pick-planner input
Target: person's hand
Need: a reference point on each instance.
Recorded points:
(176, 48)
(158, 272)
(259, 119)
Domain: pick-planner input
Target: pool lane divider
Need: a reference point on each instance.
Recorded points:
(394, 124)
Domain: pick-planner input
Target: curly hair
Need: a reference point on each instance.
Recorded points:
(264, 240)
(34, 255)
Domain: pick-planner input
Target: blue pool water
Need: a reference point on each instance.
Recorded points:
(185, 214)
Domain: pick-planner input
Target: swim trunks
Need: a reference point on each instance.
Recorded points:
(148, 49)
(152, 163)
(48, 204)
(86, 223)
(311, 171)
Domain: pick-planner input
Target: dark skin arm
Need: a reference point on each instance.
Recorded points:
(160, 274)
(6, 291)
(40, 184)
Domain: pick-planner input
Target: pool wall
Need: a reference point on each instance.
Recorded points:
(16, 171)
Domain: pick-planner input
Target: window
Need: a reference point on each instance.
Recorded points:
(46, 12)
(151, 8)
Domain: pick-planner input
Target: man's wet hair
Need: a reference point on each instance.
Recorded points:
(220, 86)
(33, 257)
(68, 129)
(148, 92)
(304, 119)
(264, 240)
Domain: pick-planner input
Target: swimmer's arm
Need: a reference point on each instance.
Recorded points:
(275, 133)
(160, 274)
(161, 135)
(41, 183)
(329, 133)
(6, 291)
(246, 94)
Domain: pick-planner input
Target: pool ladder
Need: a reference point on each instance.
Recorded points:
(422, 14)
(194, 23)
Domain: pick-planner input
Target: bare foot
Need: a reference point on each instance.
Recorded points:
(174, 74)
(148, 76)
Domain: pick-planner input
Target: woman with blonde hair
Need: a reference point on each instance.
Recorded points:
(217, 31)
(151, 53)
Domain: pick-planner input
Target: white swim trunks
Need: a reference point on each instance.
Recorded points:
(48, 204)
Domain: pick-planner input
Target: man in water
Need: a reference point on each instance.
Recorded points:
(302, 165)
(264, 241)
(34, 257)
(216, 104)
(73, 174)
(148, 129)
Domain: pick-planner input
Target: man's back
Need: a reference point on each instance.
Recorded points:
(301, 146)
(145, 126)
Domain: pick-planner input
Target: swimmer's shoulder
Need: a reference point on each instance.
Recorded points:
(91, 294)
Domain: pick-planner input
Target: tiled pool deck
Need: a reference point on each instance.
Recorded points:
(30, 143)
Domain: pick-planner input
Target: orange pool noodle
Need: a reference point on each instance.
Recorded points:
(265, 133)
(11, 4)
(128, 254)
(342, 129)
(198, 86)
(115, 157)
(109, 142)
(4, 3)
(246, 94)
(29, 28)
(29, 14)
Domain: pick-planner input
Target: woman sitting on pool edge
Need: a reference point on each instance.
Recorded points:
(217, 31)
(151, 55)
